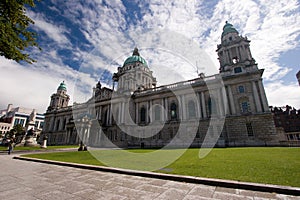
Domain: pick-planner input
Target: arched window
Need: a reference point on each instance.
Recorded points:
(143, 114)
(191, 109)
(244, 105)
(173, 111)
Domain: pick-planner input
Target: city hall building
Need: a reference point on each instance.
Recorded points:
(226, 109)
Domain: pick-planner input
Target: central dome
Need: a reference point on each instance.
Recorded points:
(135, 58)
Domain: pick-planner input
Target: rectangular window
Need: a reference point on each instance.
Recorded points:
(249, 129)
(241, 89)
(22, 122)
(16, 121)
(37, 124)
(41, 125)
(237, 70)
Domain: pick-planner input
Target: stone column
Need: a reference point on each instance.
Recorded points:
(183, 105)
(137, 113)
(110, 114)
(263, 96)
(233, 111)
(119, 113)
(220, 102)
(199, 105)
(203, 105)
(123, 112)
(148, 113)
(162, 110)
(224, 100)
(256, 98)
(100, 113)
(167, 109)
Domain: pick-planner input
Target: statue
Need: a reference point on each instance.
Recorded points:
(32, 116)
(135, 52)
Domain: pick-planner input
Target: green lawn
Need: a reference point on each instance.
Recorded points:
(3, 148)
(279, 166)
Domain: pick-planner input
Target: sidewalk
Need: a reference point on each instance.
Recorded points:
(180, 178)
(32, 180)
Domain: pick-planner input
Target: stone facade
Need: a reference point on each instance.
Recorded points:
(226, 109)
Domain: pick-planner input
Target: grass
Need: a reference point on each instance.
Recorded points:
(280, 166)
(3, 148)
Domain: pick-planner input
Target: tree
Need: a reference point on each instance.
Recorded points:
(18, 129)
(14, 34)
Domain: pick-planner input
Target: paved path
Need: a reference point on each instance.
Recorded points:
(30, 180)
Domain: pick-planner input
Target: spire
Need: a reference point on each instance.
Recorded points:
(98, 85)
(135, 52)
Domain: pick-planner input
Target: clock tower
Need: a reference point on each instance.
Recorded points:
(234, 52)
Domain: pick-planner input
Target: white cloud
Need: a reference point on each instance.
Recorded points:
(170, 34)
(280, 94)
(272, 26)
(32, 86)
(54, 32)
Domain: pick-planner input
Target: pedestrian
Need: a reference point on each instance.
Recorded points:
(10, 146)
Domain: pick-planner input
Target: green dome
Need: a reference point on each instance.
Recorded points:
(228, 28)
(135, 58)
(62, 86)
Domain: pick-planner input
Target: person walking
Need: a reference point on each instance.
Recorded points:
(10, 146)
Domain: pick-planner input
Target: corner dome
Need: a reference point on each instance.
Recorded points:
(228, 28)
(135, 58)
(62, 86)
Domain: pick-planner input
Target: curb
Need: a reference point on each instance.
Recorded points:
(188, 179)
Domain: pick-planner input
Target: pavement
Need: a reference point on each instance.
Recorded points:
(25, 180)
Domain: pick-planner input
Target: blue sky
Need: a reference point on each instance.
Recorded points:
(84, 41)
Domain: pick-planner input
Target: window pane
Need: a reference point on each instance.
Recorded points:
(143, 114)
(173, 111)
(245, 107)
(237, 70)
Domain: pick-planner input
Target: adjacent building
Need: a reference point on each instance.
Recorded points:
(19, 115)
(287, 121)
(226, 109)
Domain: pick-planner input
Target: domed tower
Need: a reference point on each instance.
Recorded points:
(134, 74)
(234, 52)
(60, 99)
